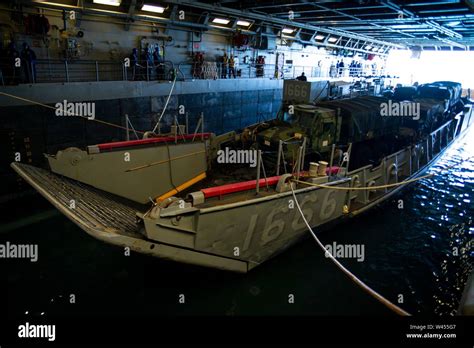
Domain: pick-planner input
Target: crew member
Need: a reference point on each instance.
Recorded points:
(135, 64)
(302, 77)
(232, 66)
(225, 60)
(28, 58)
(158, 62)
(341, 68)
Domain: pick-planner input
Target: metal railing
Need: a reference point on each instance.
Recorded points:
(51, 70)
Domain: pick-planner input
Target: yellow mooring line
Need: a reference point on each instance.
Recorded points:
(72, 114)
(365, 188)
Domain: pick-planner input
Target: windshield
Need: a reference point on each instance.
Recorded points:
(299, 118)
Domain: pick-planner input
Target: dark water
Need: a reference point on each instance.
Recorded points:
(408, 252)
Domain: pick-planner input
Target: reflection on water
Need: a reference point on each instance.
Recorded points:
(425, 250)
(446, 215)
(410, 254)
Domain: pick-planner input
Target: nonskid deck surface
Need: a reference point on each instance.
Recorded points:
(93, 207)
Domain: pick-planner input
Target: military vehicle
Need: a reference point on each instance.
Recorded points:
(356, 121)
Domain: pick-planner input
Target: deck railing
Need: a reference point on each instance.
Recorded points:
(55, 70)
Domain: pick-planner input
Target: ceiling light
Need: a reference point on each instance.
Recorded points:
(374, 49)
(54, 4)
(108, 2)
(332, 39)
(220, 21)
(243, 23)
(368, 47)
(453, 23)
(152, 8)
(319, 37)
(287, 31)
(381, 50)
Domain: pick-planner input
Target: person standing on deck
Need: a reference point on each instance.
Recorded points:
(341, 68)
(158, 63)
(332, 70)
(134, 63)
(28, 57)
(302, 77)
(232, 66)
(12, 71)
(224, 66)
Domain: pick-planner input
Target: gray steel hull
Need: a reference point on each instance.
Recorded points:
(240, 235)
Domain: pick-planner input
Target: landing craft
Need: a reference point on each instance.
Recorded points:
(339, 157)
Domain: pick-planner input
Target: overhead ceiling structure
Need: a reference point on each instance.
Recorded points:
(426, 24)
(370, 26)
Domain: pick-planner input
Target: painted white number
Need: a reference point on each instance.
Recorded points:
(248, 236)
(296, 91)
(298, 222)
(304, 92)
(276, 226)
(329, 205)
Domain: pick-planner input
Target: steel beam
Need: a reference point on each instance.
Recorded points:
(268, 19)
(356, 18)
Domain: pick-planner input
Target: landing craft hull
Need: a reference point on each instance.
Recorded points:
(237, 233)
(109, 166)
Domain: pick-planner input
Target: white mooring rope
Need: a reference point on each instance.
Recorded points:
(166, 105)
(356, 280)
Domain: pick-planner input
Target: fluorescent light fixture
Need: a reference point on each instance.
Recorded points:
(368, 47)
(220, 21)
(319, 37)
(381, 50)
(374, 49)
(332, 39)
(453, 23)
(287, 30)
(154, 17)
(108, 2)
(243, 23)
(153, 8)
(54, 4)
